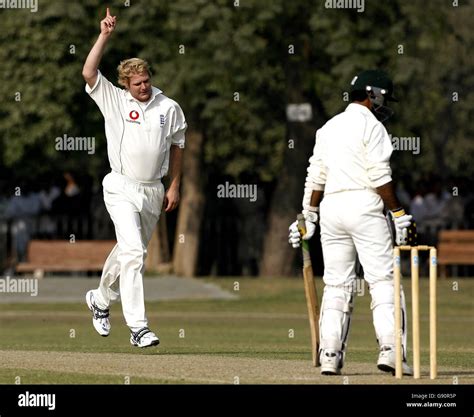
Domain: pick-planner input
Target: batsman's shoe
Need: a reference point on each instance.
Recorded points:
(144, 338)
(100, 318)
(386, 361)
(330, 362)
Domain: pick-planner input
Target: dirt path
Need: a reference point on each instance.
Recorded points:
(73, 290)
(208, 369)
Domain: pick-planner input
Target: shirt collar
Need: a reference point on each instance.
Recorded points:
(354, 107)
(154, 92)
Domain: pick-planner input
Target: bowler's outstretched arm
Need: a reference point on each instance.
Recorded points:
(89, 71)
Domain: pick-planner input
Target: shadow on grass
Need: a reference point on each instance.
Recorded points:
(224, 352)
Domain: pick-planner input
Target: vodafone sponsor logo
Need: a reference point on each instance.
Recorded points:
(133, 117)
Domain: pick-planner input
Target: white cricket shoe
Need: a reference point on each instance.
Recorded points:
(144, 338)
(100, 318)
(386, 361)
(330, 362)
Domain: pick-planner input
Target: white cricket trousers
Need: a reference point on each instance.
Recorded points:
(353, 221)
(134, 208)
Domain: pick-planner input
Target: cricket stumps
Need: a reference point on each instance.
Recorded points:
(415, 300)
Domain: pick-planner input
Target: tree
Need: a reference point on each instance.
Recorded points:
(42, 88)
(418, 53)
(229, 66)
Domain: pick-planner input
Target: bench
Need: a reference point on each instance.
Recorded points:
(455, 247)
(60, 256)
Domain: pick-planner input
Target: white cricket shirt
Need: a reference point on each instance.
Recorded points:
(352, 152)
(139, 136)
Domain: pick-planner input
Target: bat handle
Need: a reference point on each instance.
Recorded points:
(301, 224)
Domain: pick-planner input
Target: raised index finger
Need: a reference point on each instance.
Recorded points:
(108, 12)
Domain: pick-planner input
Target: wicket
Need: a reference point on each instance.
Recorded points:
(415, 300)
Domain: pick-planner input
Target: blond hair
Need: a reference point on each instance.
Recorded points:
(129, 67)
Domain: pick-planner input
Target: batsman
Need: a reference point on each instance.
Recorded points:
(350, 168)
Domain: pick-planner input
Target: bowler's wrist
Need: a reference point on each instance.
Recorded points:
(174, 186)
(104, 36)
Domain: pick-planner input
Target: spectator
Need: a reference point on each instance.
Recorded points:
(21, 210)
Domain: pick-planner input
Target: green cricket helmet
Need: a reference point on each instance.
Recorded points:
(379, 88)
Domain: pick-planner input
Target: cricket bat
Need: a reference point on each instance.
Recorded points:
(310, 291)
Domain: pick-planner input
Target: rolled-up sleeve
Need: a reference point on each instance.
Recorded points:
(378, 150)
(316, 176)
(179, 126)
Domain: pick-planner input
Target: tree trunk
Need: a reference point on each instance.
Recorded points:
(278, 255)
(191, 207)
(158, 259)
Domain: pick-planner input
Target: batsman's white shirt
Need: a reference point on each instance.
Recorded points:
(352, 152)
(138, 140)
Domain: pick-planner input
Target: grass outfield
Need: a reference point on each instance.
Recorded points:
(261, 337)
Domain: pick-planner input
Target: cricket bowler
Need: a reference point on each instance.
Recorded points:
(145, 133)
(350, 167)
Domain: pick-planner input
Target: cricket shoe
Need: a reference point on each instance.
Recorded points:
(330, 362)
(144, 338)
(386, 361)
(100, 318)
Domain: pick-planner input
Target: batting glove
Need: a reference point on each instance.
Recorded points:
(311, 219)
(405, 229)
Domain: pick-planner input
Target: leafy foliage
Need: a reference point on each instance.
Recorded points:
(205, 53)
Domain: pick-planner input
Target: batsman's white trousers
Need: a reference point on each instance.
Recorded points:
(134, 208)
(354, 221)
